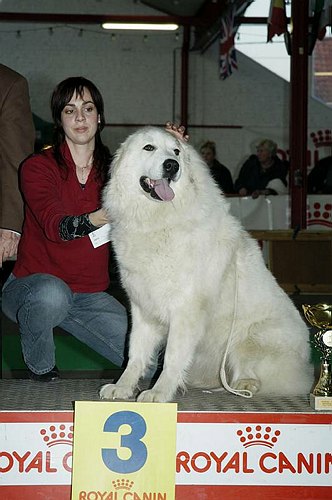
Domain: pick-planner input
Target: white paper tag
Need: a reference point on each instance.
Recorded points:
(100, 236)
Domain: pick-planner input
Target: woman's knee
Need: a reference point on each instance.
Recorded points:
(49, 292)
(44, 293)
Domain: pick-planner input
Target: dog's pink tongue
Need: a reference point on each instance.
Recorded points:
(163, 189)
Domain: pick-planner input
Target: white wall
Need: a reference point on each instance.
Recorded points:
(140, 79)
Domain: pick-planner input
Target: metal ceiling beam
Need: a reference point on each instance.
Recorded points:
(206, 22)
(178, 8)
(27, 17)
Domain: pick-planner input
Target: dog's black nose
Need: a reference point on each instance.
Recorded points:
(170, 167)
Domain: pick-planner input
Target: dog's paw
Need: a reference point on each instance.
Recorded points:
(248, 384)
(151, 396)
(113, 391)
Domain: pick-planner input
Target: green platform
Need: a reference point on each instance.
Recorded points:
(71, 354)
(74, 359)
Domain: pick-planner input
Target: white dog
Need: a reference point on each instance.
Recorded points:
(196, 281)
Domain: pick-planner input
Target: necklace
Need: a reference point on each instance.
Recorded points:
(82, 172)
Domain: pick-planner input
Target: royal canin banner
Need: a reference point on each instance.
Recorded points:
(219, 456)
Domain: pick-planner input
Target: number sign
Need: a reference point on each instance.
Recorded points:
(124, 451)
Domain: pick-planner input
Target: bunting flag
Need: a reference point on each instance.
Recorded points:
(320, 10)
(228, 60)
(277, 21)
(228, 29)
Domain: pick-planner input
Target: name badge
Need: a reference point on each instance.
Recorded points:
(100, 236)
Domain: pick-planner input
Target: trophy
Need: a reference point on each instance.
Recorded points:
(320, 316)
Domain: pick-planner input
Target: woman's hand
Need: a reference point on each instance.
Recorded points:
(177, 130)
(8, 244)
(243, 192)
(99, 217)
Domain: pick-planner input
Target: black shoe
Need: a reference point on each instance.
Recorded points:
(45, 377)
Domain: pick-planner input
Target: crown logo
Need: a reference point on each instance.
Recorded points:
(122, 484)
(319, 214)
(57, 434)
(322, 138)
(258, 436)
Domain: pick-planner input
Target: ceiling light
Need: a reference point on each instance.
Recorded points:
(140, 26)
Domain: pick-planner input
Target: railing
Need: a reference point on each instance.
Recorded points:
(273, 212)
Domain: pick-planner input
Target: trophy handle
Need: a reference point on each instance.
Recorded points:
(324, 384)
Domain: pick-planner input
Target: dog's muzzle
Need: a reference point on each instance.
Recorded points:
(171, 167)
(160, 189)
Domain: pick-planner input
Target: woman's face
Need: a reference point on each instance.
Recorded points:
(207, 155)
(79, 119)
(263, 154)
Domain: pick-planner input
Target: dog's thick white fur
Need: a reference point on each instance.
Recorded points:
(196, 280)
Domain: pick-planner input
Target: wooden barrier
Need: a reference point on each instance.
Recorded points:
(301, 262)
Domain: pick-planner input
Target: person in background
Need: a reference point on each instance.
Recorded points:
(263, 173)
(320, 177)
(219, 172)
(17, 137)
(60, 278)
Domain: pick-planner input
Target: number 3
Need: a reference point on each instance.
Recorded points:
(132, 441)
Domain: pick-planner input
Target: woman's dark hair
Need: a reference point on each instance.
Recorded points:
(62, 94)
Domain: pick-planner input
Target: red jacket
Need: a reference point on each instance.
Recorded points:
(49, 196)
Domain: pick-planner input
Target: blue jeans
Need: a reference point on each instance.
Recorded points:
(40, 302)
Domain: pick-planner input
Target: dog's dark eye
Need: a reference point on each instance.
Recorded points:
(177, 152)
(149, 147)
